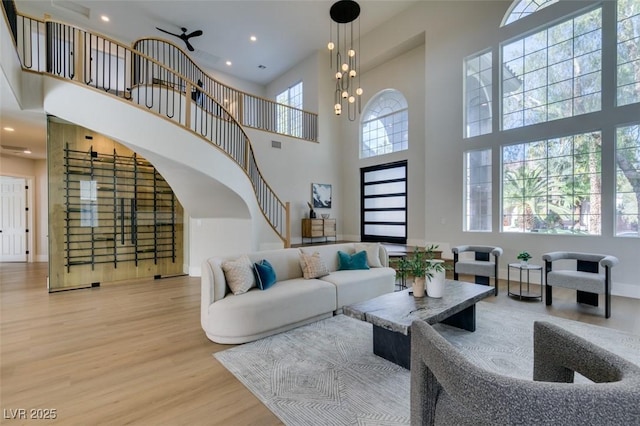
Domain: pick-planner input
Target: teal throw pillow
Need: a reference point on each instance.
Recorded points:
(352, 261)
(265, 274)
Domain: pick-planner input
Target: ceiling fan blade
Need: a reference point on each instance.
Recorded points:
(196, 33)
(167, 32)
(189, 46)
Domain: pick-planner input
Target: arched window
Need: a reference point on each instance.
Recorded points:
(384, 127)
(521, 8)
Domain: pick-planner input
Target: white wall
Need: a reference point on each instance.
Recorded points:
(216, 237)
(454, 30)
(291, 170)
(405, 74)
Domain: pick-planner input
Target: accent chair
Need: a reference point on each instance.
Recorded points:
(586, 277)
(448, 389)
(481, 266)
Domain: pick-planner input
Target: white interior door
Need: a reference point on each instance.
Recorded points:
(13, 219)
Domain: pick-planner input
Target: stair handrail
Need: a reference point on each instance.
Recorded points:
(67, 60)
(250, 110)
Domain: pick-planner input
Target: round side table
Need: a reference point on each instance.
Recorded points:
(524, 293)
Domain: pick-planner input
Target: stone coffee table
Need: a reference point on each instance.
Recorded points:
(392, 314)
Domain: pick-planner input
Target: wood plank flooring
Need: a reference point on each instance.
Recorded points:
(134, 353)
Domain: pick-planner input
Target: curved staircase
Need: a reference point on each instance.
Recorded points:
(152, 105)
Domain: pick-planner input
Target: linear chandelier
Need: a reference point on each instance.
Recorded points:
(348, 93)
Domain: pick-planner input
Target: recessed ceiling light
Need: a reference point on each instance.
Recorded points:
(253, 38)
(105, 18)
(228, 63)
(26, 151)
(9, 129)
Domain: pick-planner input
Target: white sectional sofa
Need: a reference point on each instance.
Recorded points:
(293, 300)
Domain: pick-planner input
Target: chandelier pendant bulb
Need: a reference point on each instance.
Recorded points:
(348, 92)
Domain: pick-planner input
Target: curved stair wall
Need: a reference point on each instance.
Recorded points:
(87, 60)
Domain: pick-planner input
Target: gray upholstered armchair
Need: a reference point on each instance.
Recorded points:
(448, 389)
(586, 277)
(482, 266)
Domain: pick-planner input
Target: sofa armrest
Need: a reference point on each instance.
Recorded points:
(609, 261)
(383, 255)
(212, 282)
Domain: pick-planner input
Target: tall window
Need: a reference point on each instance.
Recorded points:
(290, 120)
(477, 94)
(477, 197)
(522, 8)
(384, 126)
(384, 203)
(628, 181)
(554, 73)
(628, 65)
(553, 186)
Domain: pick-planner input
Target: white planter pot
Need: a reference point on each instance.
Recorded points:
(418, 287)
(435, 284)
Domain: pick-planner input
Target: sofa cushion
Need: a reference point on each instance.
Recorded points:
(257, 311)
(265, 274)
(285, 262)
(329, 253)
(476, 267)
(373, 253)
(347, 262)
(312, 266)
(357, 286)
(577, 280)
(239, 274)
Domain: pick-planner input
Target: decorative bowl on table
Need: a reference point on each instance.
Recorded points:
(325, 215)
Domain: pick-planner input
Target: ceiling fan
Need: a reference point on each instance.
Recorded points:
(184, 36)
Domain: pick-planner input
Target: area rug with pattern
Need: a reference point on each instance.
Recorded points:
(325, 373)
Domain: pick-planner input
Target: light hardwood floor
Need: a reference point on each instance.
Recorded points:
(134, 353)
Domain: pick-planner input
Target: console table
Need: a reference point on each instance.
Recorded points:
(318, 228)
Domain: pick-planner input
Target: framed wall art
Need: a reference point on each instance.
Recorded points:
(321, 195)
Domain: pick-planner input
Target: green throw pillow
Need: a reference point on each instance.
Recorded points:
(352, 261)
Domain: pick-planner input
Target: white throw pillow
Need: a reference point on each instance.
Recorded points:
(372, 249)
(312, 266)
(239, 274)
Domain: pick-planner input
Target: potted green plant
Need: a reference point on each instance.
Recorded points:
(413, 266)
(423, 267)
(524, 257)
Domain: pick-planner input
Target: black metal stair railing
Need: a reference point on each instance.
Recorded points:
(250, 110)
(95, 61)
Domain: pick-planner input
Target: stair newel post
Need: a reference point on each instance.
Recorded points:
(79, 56)
(187, 104)
(287, 224)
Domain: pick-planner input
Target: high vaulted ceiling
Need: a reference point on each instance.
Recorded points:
(286, 31)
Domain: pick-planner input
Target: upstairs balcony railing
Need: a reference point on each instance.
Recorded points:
(74, 54)
(250, 110)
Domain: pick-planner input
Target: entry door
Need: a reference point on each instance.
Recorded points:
(384, 203)
(13, 219)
